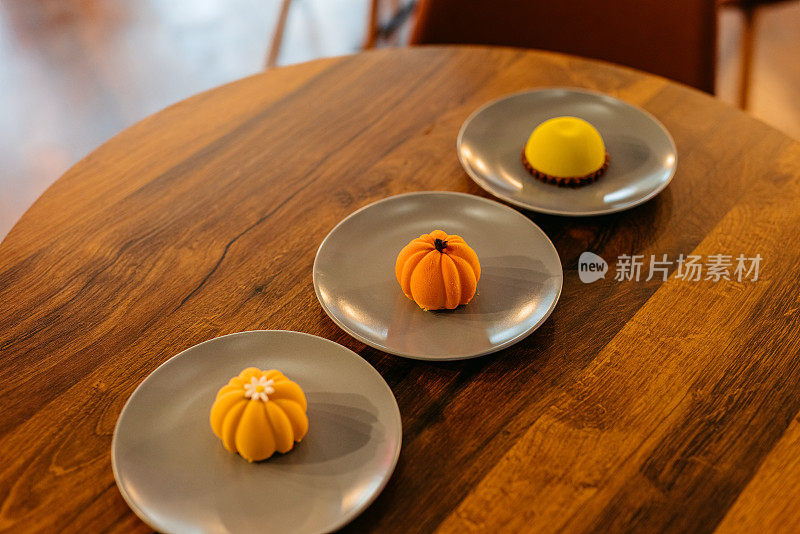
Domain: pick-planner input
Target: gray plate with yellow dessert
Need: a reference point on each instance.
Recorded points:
(642, 157)
(177, 476)
(496, 269)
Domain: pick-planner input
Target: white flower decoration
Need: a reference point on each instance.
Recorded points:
(259, 389)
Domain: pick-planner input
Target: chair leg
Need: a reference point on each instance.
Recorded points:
(372, 25)
(277, 37)
(748, 45)
(396, 8)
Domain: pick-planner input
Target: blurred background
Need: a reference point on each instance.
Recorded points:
(75, 72)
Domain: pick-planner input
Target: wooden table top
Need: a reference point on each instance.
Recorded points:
(644, 405)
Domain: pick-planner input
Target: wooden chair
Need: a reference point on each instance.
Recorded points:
(673, 38)
(400, 11)
(277, 35)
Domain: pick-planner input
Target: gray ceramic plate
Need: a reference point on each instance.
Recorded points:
(176, 475)
(643, 154)
(356, 285)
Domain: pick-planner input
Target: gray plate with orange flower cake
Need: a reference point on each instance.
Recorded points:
(520, 278)
(177, 476)
(642, 154)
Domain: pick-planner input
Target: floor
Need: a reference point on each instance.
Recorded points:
(775, 96)
(75, 72)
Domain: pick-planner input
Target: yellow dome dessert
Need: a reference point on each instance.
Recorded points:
(565, 151)
(259, 412)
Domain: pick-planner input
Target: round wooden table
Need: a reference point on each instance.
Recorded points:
(644, 405)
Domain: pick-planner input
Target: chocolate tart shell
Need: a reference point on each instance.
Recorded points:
(561, 181)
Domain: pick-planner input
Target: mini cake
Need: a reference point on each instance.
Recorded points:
(259, 412)
(565, 151)
(438, 271)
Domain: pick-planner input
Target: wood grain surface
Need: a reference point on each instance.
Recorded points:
(644, 406)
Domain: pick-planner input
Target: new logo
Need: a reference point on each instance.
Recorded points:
(591, 267)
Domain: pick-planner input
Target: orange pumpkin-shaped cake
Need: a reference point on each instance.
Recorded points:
(438, 271)
(259, 412)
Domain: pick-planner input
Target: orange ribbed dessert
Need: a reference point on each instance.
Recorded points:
(258, 413)
(438, 271)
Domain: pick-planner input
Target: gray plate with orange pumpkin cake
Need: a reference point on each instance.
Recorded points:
(177, 476)
(642, 154)
(362, 280)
